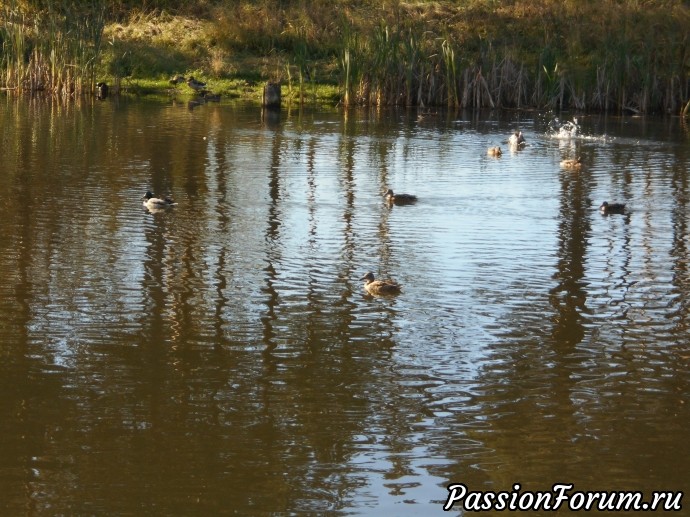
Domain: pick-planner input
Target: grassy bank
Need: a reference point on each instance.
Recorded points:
(608, 55)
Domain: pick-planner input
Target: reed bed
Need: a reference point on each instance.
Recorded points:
(626, 71)
(610, 55)
(53, 49)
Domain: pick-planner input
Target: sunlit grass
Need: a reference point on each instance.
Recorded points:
(622, 55)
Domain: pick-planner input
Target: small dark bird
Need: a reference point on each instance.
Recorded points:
(399, 199)
(101, 90)
(612, 208)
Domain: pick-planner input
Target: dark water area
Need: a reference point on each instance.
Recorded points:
(222, 356)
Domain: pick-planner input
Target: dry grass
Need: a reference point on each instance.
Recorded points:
(629, 55)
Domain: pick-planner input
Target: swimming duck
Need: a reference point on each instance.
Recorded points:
(516, 139)
(379, 287)
(612, 208)
(195, 85)
(569, 129)
(101, 90)
(399, 199)
(494, 151)
(572, 163)
(151, 202)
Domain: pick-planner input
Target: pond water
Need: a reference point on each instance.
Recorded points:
(222, 356)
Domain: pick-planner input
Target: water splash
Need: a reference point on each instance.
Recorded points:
(570, 131)
(564, 130)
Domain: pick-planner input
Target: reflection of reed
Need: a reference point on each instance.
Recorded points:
(25, 279)
(154, 285)
(679, 249)
(568, 297)
(272, 238)
(312, 296)
(222, 213)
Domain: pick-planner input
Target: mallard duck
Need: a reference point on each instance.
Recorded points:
(575, 163)
(612, 208)
(195, 85)
(151, 202)
(516, 139)
(379, 287)
(399, 199)
(494, 151)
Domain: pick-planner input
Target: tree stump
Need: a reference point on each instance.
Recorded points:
(271, 95)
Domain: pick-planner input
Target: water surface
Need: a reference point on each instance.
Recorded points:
(222, 356)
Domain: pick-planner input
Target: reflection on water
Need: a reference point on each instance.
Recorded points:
(222, 355)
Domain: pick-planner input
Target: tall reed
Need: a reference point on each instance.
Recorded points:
(54, 48)
(451, 72)
(350, 62)
(606, 62)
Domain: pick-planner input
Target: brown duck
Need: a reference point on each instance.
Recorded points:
(575, 163)
(379, 287)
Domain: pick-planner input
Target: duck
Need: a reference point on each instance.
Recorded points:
(177, 80)
(569, 129)
(575, 163)
(399, 199)
(195, 85)
(516, 139)
(210, 96)
(379, 287)
(612, 208)
(151, 202)
(101, 90)
(494, 151)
